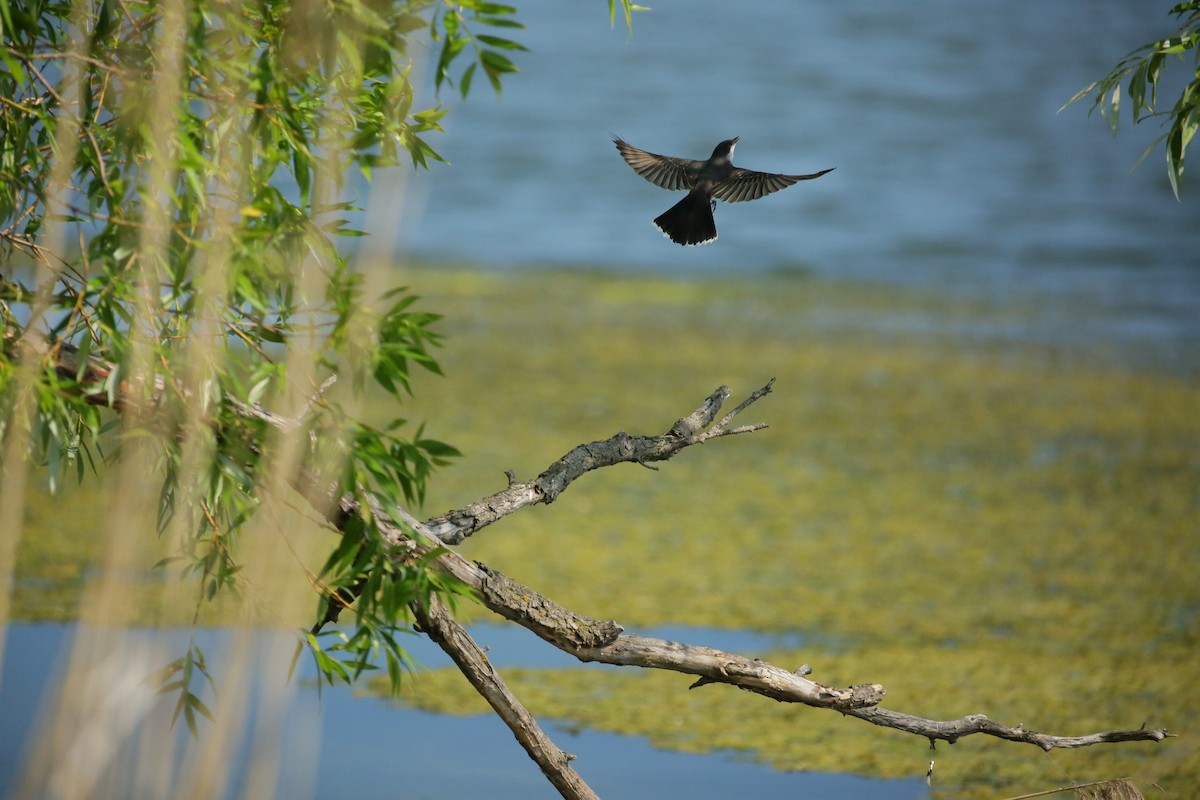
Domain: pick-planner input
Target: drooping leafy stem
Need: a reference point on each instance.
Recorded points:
(454, 31)
(1144, 67)
(188, 240)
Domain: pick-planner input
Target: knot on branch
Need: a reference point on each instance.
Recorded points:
(862, 695)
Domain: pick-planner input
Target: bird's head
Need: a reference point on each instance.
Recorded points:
(725, 148)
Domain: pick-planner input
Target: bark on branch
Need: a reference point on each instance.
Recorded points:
(437, 623)
(455, 526)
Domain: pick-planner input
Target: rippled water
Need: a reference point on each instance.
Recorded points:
(954, 167)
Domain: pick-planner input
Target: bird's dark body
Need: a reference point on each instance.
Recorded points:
(690, 221)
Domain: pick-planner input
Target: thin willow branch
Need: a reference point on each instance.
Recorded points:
(1117, 789)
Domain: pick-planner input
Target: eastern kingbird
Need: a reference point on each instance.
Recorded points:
(690, 221)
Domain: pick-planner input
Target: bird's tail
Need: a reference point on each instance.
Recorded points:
(690, 221)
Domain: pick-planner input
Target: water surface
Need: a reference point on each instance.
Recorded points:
(954, 168)
(367, 748)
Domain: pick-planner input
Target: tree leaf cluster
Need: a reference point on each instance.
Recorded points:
(1144, 68)
(179, 677)
(455, 29)
(172, 200)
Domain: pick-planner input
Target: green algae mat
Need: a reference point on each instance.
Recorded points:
(973, 504)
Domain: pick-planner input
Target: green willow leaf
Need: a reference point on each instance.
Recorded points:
(505, 44)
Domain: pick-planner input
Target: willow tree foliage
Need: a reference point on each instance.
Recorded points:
(173, 205)
(1144, 69)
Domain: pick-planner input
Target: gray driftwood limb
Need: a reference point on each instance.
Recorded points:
(437, 623)
(621, 448)
(572, 632)
(953, 730)
(591, 639)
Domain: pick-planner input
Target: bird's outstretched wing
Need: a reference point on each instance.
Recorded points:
(746, 184)
(664, 171)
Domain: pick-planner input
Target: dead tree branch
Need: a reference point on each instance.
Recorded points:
(455, 526)
(591, 639)
(441, 627)
(953, 730)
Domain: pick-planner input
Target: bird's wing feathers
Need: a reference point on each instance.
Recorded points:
(746, 184)
(664, 171)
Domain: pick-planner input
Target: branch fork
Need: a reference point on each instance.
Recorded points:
(455, 526)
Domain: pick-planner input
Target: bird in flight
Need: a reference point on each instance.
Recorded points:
(690, 221)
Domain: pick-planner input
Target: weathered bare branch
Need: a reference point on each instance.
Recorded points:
(442, 628)
(953, 730)
(455, 526)
(591, 639)
(574, 633)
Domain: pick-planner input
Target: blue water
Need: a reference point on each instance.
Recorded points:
(338, 744)
(954, 167)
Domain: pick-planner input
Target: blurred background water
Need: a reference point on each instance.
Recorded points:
(955, 168)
